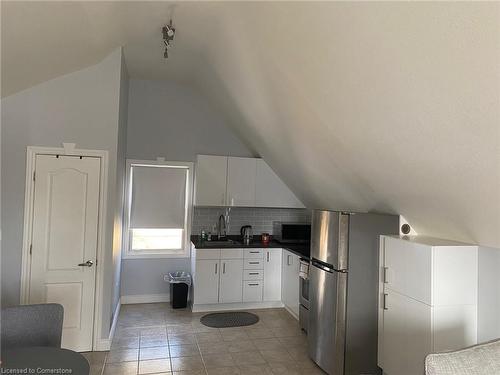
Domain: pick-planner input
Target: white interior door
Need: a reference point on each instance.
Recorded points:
(64, 242)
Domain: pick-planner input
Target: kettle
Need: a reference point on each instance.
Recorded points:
(246, 234)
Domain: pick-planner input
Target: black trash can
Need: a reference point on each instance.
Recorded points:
(179, 288)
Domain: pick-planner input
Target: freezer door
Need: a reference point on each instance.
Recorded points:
(327, 317)
(329, 238)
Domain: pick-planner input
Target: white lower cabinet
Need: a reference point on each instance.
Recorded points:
(272, 275)
(290, 282)
(206, 281)
(232, 276)
(231, 281)
(252, 291)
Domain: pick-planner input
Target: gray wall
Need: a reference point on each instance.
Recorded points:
(261, 219)
(169, 120)
(488, 294)
(80, 107)
(120, 185)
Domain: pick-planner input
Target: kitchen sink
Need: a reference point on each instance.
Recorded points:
(221, 242)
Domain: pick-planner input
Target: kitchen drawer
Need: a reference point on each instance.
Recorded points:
(231, 254)
(253, 264)
(253, 275)
(254, 253)
(252, 291)
(206, 254)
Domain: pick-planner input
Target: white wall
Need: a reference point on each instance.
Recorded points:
(81, 107)
(172, 121)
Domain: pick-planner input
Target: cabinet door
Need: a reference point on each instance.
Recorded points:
(272, 275)
(270, 191)
(211, 174)
(231, 281)
(408, 268)
(406, 335)
(241, 181)
(290, 289)
(206, 282)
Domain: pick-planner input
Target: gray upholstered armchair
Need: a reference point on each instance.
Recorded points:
(31, 325)
(483, 359)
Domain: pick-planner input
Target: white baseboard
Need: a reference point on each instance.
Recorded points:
(236, 306)
(144, 298)
(291, 312)
(105, 344)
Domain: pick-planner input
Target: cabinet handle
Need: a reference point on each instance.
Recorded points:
(253, 262)
(254, 252)
(384, 301)
(223, 267)
(288, 260)
(385, 276)
(268, 257)
(253, 284)
(216, 268)
(253, 273)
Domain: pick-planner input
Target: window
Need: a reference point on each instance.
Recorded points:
(158, 209)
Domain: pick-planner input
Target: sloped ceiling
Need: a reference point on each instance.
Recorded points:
(391, 107)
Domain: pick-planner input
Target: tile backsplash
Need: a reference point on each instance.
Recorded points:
(261, 219)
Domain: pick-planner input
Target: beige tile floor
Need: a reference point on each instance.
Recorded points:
(155, 339)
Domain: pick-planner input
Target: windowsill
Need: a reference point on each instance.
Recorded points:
(155, 256)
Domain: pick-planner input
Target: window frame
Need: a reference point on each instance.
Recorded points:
(127, 252)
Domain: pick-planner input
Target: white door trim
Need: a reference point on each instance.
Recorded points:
(32, 152)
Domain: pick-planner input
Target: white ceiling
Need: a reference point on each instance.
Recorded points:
(390, 107)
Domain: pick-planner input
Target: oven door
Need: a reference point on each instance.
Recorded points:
(304, 283)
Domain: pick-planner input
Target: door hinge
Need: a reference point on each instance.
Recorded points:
(31, 249)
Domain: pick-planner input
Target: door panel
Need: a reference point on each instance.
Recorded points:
(329, 237)
(211, 172)
(241, 174)
(65, 225)
(327, 307)
(231, 281)
(270, 191)
(206, 283)
(272, 275)
(408, 268)
(406, 335)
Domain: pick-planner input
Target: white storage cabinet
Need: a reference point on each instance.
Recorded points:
(428, 300)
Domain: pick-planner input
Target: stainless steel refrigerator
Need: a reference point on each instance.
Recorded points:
(343, 282)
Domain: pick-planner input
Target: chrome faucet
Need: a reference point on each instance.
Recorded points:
(221, 224)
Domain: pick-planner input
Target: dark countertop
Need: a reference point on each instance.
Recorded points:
(300, 249)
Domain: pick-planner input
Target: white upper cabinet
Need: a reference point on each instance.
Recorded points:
(241, 173)
(211, 174)
(240, 182)
(270, 191)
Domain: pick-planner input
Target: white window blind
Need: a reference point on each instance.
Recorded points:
(159, 208)
(158, 197)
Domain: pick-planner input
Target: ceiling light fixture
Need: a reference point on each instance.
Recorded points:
(168, 32)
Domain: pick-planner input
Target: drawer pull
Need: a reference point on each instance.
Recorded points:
(253, 262)
(253, 273)
(253, 284)
(254, 252)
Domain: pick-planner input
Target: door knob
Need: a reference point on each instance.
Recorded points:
(88, 263)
